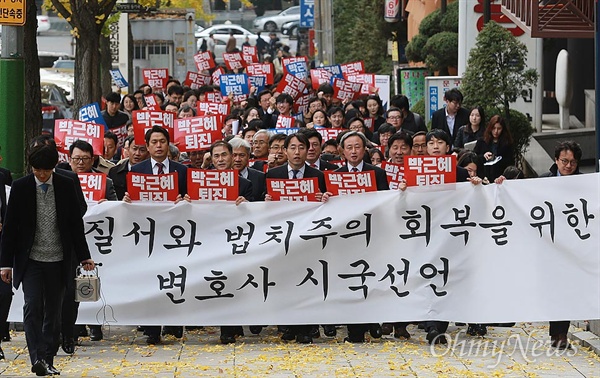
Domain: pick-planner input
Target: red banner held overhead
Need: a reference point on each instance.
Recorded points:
(197, 133)
(429, 170)
(93, 186)
(66, 131)
(143, 120)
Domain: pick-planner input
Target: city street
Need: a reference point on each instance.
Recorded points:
(520, 351)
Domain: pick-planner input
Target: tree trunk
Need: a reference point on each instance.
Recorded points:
(105, 65)
(33, 97)
(88, 88)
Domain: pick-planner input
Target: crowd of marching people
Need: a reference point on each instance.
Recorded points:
(367, 136)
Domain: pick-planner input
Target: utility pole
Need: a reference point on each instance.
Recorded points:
(12, 96)
(324, 32)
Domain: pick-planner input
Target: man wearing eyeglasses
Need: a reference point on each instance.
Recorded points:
(118, 174)
(451, 117)
(567, 156)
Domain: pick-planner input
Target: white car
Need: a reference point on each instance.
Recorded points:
(274, 23)
(221, 35)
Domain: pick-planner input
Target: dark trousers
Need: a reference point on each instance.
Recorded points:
(559, 327)
(441, 327)
(356, 332)
(70, 309)
(6, 296)
(43, 291)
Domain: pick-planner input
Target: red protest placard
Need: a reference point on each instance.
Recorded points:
(93, 186)
(301, 103)
(216, 75)
(352, 68)
(213, 185)
(204, 61)
(284, 122)
(143, 120)
(219, 108)
(345, 90)
(151, 102)
(196, 80)
(197, 133)
(156, 77)
(429, 170)
(262, 69)
(213, 97)
(155, 188)
(367, 81)
(340, 183)
(66, 131)
(291, 85)
(234, 61)
(319, 76)
(304, 189)
(395, 173)
(328, 133)
(250, 54)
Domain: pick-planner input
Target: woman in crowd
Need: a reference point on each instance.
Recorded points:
(495, 148)
(129, 104)
(376, 156)
(375, 110)
(471, 162)
(191, 98)
(319, 119)
(249, 115)
(472, 130)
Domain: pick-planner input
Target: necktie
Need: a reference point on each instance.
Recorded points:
(161, 168)
(313, 165)
(354, 169)
(44, 187)
(295, 173)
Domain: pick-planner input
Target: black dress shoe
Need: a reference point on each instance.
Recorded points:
(176, 331)
(68, 345)
(288, 335)
(329, 330)
(227, 339)
(1, 354)
(435, 337)
(375, 330)
(83, 332)
(304, 339)
(255, 330)
(53, 370)
(40, 368)
(401, 332)
(315, 332)
(387, 328)
(96, 334)
(354, 339)
(561, 342)
(6, 337)
(153, 340)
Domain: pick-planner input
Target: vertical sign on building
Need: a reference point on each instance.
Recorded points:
(307, 13)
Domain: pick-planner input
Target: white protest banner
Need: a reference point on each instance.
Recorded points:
(478, 254)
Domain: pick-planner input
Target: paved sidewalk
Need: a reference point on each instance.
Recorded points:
(520, 351)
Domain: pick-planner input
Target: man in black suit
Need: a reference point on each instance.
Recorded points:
(438, 144)
(241, 155)
(354, 147)
(452, 116)
(69, 314)
(157, 143)
(313, 157)
(118, 173)
(42, 228)
(221, 154)
(296, 148)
